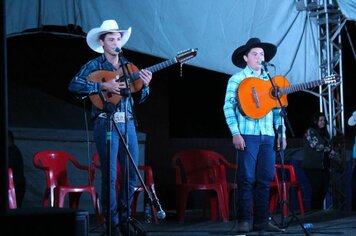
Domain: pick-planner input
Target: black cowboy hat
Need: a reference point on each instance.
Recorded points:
(268, 48)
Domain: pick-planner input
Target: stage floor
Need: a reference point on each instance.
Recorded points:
(330, 222)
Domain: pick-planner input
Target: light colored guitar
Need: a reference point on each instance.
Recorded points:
(257, 97)
(135, 83)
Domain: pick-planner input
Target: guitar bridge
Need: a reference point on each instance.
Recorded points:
(255, 97)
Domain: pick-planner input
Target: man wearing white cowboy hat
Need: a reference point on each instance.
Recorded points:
(253, 139)
(108, 40)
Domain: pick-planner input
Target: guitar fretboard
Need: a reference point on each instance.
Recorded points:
(303, 86)
(162, 65)
(157, 67)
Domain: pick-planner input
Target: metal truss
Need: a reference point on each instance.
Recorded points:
(330, 22)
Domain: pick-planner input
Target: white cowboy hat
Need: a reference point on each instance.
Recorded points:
(352, 119)
(106, 27)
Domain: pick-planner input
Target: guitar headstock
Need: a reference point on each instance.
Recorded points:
(331, 79)
(186, 55)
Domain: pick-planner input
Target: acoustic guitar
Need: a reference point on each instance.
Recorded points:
(135, 84)
(257, 97)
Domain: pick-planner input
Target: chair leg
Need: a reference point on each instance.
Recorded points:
(213, 206)
(181, 204)
(74, 200)
(222, 206)
(300, 200)
(273, 202)
(285, 200)
(154, 214)
(97, 208)
(58, 198)
(134, 204)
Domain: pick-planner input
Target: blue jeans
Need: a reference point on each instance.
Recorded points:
(256, 166)
(120, 203)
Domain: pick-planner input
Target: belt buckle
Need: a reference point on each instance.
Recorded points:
(119, 117)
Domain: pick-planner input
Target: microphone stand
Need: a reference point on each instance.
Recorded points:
(283, 115)
(151, 195)
(109, 108)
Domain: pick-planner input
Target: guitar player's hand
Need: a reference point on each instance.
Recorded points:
(146, 76)
(112, 86)
(239, 142)
(281, 144)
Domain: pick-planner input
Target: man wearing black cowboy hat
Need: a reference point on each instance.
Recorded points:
(253, 139)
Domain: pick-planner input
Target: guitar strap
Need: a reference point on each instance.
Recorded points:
(128, 73)
(107, 106)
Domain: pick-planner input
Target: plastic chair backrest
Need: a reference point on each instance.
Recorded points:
(198, 166)
(146, 169)
(289, 173)
(55, 165)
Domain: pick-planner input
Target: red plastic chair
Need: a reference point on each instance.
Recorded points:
(11, 190)
(149, 181)
(54, 164)
(200, 170)
(229, 186)
(290, 180)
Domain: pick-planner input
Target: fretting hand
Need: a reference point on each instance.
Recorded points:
(146, 76)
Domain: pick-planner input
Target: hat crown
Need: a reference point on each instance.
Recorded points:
(109, 25)
(252, 41)
(93, 36)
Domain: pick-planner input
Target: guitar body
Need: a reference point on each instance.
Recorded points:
(104, 76)
(256, 96)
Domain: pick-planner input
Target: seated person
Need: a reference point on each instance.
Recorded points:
(15, 162)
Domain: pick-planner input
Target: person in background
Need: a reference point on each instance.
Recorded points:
(15, 162)
(352, 122)
(318, 154)
(253, 139)
(108, 40)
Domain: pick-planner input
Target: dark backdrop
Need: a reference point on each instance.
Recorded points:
(47, 62)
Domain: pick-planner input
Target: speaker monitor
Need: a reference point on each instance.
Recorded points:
(45, 221)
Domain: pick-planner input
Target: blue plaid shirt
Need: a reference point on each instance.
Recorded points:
(240, 124)
(80, 85)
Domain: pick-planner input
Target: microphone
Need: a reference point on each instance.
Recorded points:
(160, 213)
(264, 63)
(117, 49)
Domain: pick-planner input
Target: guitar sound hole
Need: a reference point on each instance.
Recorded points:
(275, 92)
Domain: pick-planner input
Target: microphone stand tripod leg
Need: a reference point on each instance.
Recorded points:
(285, 206)
(129, 160)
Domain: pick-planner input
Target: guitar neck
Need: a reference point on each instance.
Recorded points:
(299, 87)
(162, 65)
(158, 66)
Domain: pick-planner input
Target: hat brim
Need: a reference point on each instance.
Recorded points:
(94, 34)
(237, 56)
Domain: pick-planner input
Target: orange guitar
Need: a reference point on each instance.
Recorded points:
(135, 83)
(257, 96)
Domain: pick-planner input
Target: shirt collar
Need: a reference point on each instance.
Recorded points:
(249, 72)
